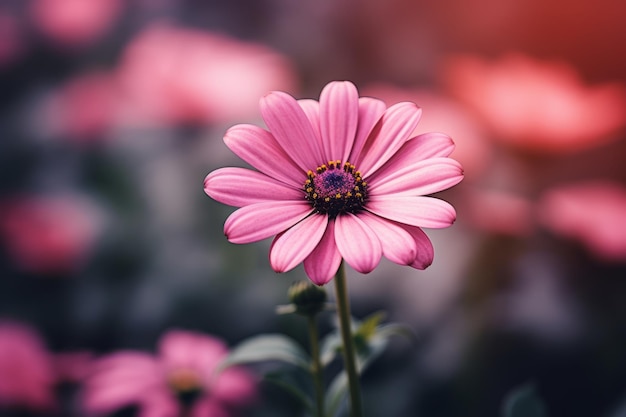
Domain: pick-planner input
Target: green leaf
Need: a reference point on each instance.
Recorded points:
(336, 393)
(396, 329)
(330, 348)
(269, 347)
(367, 328)
(524, 402)
(283, 381)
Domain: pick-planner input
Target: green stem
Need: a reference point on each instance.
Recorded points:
(349, 356)
(317, 365)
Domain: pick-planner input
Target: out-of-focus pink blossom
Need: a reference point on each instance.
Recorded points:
(592, 212)
(75, 22)
(181, 377)
(184, 75)
(535, 105)
(501, 212)
(48, 234)
(12, 42)
(72, 367)
(26, 374)
(84, 108)
(443, 114)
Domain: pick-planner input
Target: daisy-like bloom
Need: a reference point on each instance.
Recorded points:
(27, 375)
(338, 178)
(180, 380)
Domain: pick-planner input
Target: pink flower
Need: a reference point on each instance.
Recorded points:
(75, 22)
(84, 108)
(539, 106)
(592, 212)
(27, 376)
(181, 377)
(497, 211)
(48, 234)
(338, 178)
(176, 75)
(12, 39)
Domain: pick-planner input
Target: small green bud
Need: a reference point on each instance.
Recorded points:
(308, 299)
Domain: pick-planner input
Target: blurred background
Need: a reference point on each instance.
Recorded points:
(112, 112)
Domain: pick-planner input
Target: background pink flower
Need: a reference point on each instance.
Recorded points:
(75, 22)
(592, 212)
(27, 376)
(538, 105)
(184, 75)
(84, 108)
(12, 39)
(48, 234)
(181, 376)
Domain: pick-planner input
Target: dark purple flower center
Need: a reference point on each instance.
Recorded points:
(334, 189)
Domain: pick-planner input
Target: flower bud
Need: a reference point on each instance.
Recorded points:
(307, 298)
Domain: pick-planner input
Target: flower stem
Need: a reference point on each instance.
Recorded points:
(317, 366)
(349, 356)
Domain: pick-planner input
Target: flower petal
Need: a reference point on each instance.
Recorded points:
(419, 148)
(370, 112)
(120, 379)
(393, 129)
(425, 251)
(322, 264)
(421, 178)
(312, 110)
(295, 244)
(339, 112)
(398, 245)
(262, 220)
(241, 187)
(259, 148)
(292, 129)
(358, 243)
(413, 210)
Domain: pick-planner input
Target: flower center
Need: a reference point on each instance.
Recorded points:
(186, 385)
(334, 189)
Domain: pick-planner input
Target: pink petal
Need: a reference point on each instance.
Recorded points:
(121, 379)
(207, 406)
(420, 178)
(241, 187)
(234, 385)
(295, 244)
(425, 251)
(292, 129)
(357, 243)
(259, 148)
(312, 110)
(393, 129)
(161, 404)
(428, 145)
(339, 112)
(262, 220)
(398, 245)
(370, 112)
(413, 210)
(190, 350)
(322, 264)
